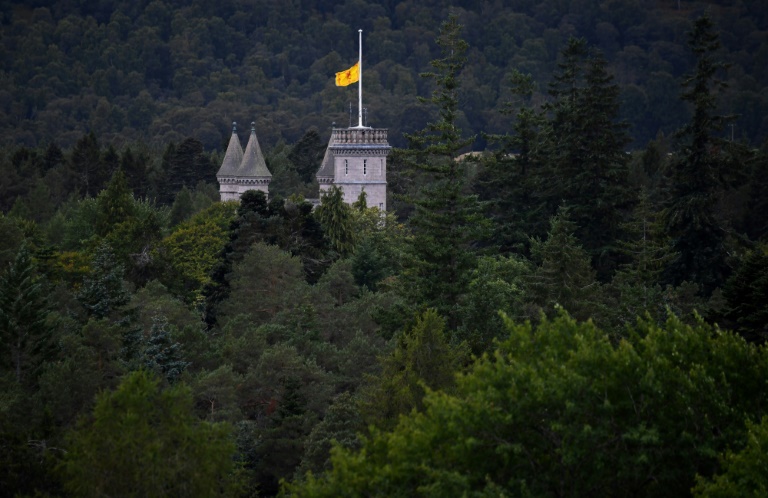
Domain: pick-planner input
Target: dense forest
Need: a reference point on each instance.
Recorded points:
(577, 309)
(162, 70)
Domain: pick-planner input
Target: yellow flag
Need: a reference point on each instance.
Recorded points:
(349, 76)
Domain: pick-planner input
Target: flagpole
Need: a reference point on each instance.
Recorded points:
(360, 82)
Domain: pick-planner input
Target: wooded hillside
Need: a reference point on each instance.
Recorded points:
(163, 70)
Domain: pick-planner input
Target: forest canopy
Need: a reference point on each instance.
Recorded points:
(162, 70)
(579, 308)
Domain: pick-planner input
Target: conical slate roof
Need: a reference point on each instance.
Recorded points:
(326, 167)
(253, 164)
(233, 157)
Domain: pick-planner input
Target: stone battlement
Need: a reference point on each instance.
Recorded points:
(362, 136)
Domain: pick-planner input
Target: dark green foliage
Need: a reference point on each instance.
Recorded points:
(115, 204)
(371, 262)
(306, 155)
(25, 333)
(447, 219)
(184, 165)
(744, 472)
(564, 276)
(422, 360)
(698, 172)
(282, 444)
(335, 218)
(161, 354)
(746, 293)
(559, 410)
(340, 427)
(87, 171)
(144, 440)
(103, 291)
(586, 151)
(182, 206)
(288, 224)
(514, 183)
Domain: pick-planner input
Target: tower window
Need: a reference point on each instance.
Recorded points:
(365, 166)
(346, 167)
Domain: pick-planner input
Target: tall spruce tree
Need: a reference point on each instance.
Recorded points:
(697, 174)
(587, 156)
(513, 181)
(24, 330)
(446, 217)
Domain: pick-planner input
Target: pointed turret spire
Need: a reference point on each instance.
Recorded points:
(233, 157)
(253, 164)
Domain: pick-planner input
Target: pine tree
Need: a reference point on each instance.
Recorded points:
(514, 181)
(87, 172)
(446, 218)
(103, 290)
(335, 216)
(24, 329)
(306, 155)
(565, 276)
(115, 204)
(697, 173)
(587, 154)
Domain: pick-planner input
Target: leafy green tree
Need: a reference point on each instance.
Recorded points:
(497, 286)
(446, 218)
(194, 248)
(561, 410)
(637, 284)
(265, 283)
(282, 444)
(142, 440)
(745, 473)
(182, 206)
(697, 174)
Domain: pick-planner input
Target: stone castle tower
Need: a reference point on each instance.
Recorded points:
(241, 171)
(355, 161)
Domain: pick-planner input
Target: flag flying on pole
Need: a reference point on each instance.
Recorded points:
(349, 76)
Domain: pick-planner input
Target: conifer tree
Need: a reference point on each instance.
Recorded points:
(115, 204)
(24, 330)
(103, 290)
(697, 174)
(565, 276)
(335, 217)
(514, 182)
(446, 217)
(422, 358)
(587, 157)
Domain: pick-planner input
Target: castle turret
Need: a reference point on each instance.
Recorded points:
(242, 171)
(227, 175)
(356, 160)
